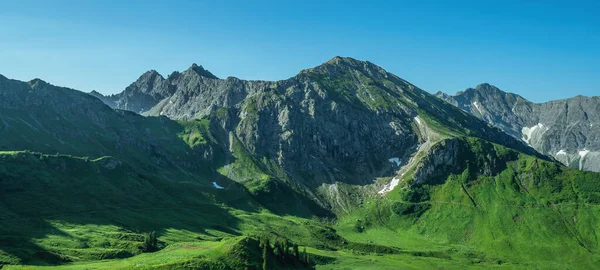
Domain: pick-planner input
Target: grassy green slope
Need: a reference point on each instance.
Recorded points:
(531, 213)
(58, 209)
(91, 209)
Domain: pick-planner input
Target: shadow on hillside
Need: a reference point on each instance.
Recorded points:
(56, 209)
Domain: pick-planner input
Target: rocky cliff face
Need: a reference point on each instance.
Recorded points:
(568, 129)
(144, 93)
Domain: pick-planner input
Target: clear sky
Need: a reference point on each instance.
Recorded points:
(542, 50)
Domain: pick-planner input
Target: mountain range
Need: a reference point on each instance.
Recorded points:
(567, 130)
(345, 160)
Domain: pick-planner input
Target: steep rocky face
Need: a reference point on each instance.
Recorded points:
(442, 158)
(316, 126)
(568, 129)
(141, 95)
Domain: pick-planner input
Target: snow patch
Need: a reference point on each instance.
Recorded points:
(396, 160)
(583, 152)
(389, 187)
(217, 185)
(561, 152)
(528, 132)
(476, 104)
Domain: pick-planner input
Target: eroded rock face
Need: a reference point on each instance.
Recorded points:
(568, 129)
(141, 95)
(442, 159)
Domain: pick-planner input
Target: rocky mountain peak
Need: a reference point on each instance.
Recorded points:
(442, 95)
(483, 89)
(37, 83)
(337, 66)
(150, 74)
(486, 87)
(149, 78)
(201, 71)
(351, 63)
(339, 60)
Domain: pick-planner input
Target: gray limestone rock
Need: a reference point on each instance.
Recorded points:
(567, 129)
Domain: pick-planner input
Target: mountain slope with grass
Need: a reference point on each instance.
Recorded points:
(341, 166)
(523, 212)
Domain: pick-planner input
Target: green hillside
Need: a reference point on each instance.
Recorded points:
(531, 213)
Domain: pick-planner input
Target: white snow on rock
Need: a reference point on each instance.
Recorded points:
(389, 187)
(217, 185)
(395, 160)
(561, 152)
(476, 104)
(582, 154)
(528, 131)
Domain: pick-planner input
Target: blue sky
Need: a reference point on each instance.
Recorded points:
(542, 50)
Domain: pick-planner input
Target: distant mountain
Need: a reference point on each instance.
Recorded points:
(151, 88)
(568, 129)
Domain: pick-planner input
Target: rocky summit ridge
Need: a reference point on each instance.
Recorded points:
(567, 129)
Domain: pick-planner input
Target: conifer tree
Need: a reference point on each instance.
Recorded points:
(296, 252)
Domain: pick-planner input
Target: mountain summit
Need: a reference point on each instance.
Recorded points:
(201, 71)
